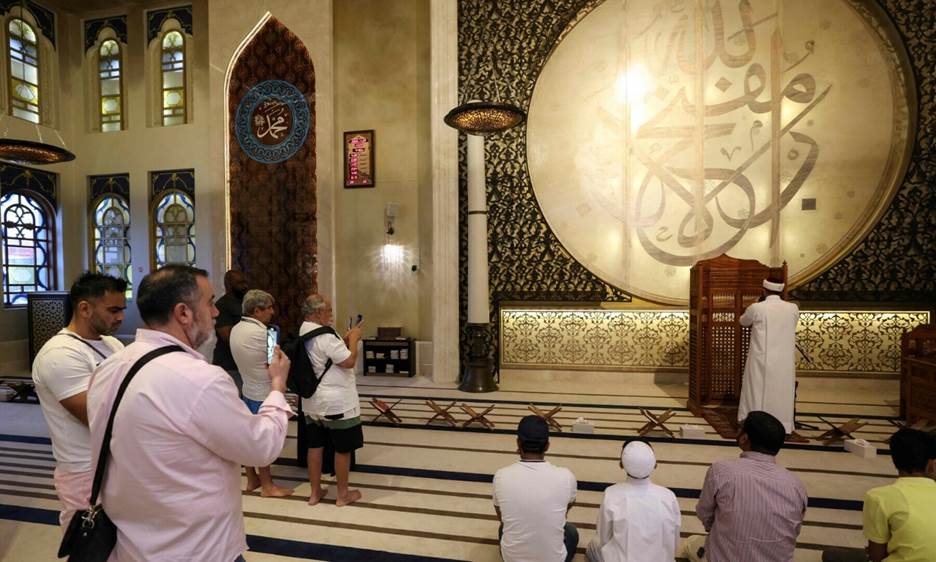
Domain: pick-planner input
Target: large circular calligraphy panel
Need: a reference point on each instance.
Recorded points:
(272, 121)
(662, 133)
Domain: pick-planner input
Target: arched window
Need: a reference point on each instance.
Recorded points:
(24, 71)
(111, 238)
(109, 74)
(28, 246)
(174, 229)
(173, 78)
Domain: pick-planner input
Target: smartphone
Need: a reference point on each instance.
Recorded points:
(352, 323)
(272, 338)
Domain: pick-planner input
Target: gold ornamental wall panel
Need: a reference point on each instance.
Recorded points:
(658, 340)
(661, 133)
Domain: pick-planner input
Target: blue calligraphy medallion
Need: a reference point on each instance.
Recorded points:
(272, 121)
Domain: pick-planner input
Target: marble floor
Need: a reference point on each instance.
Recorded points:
(427, 490)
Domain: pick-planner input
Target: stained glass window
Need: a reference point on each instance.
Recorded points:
(173, 78)
(174, 222)
(109, 73)
(24, 71)
(27, 247)
(111, 224)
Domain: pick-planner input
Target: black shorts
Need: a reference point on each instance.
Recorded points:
(342, 440)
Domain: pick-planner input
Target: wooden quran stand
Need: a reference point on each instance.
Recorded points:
(441, 413)
(475, 417)
(548, 416)
(386, 411)
(656, 422)
(839, 433)
(922, 425)
(720, 289)
(23, 389)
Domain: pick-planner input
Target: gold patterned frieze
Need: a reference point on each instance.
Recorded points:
(658, 340)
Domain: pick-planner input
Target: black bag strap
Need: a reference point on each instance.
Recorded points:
(314, 334)
(82, 340)
(105, 446)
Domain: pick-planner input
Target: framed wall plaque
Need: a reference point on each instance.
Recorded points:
(359, 158)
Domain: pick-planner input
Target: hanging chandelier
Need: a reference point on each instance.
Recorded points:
(484, 118)
(477, 117)
(31, 152)
(25, 152)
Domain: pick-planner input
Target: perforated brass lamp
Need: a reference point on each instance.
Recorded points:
(19, 151)
(484, 118)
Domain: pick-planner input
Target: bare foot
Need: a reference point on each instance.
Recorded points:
(353, 496)
(315, 498)
(276, 492)
(252, 483)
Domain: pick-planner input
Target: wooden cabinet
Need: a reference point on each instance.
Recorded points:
(389, 357)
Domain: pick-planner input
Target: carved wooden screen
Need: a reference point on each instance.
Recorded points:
(272, 169)
(918, 357)
(720, 290)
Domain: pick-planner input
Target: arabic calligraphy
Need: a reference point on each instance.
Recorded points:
(693, 124)
(271, 121)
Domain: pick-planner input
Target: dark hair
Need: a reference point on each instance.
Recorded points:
(94, 285)
(765, 432)
(911, 449)
(535, 447)
(166, 287)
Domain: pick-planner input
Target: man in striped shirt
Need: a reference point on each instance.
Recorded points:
(752, 507)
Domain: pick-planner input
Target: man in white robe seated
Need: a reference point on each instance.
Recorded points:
(769, 381)
(638, 520)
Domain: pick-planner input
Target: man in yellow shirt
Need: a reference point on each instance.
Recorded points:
(899, 518)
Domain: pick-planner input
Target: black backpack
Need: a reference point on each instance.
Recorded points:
(302, 379)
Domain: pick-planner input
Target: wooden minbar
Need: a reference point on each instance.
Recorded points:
(720, 289)
(918, 374)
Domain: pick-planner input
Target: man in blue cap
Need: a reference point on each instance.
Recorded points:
(532, 498)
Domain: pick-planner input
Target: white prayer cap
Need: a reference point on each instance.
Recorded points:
(638, 459)
(771, 286)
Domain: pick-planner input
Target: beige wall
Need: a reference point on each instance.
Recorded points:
(381, 53)
(382, 83)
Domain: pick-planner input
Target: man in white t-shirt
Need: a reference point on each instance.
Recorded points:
(532, 498)
(333, 413)
(61, 372)
(248, 341)
(638, 520)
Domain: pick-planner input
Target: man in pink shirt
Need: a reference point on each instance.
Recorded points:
(181, 432)
(752, 507)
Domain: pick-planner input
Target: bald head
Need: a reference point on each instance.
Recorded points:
(235, 283)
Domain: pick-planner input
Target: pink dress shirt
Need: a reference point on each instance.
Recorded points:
(752, 508)
(180, 437)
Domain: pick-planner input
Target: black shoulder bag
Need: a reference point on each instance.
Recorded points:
(91, 535)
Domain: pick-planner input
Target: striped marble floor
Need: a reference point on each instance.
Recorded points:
(427, 491)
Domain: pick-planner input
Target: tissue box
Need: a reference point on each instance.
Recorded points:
(582, 427)
(692, 432)
(861, 448)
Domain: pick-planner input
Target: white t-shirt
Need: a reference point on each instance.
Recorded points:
(62, 369)
(533, 498)
(337, 390)
(249, 348)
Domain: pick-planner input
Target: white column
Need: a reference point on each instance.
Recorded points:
(478, 311)
(444, 95)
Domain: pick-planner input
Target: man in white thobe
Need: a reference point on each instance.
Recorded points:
(638, 520)
(770, 374)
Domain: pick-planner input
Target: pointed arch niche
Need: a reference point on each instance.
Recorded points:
(272, 206)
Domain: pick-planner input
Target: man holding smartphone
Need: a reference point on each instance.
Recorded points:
(251, 351)
(333, 412)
